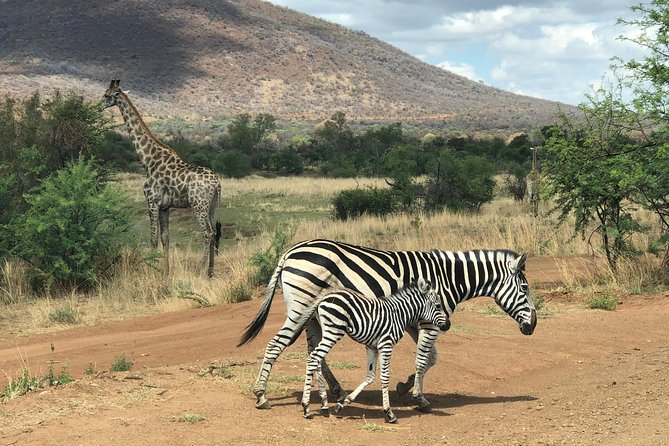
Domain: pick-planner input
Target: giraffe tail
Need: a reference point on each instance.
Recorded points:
(258, 322)
(217, 236)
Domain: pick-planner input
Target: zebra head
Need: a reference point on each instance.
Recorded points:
(433, 310)
(513, 295)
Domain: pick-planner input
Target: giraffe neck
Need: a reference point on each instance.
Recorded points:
(151, 151)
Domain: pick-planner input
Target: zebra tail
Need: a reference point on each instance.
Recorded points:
(258, 322)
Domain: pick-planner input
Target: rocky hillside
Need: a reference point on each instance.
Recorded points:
(212, 59)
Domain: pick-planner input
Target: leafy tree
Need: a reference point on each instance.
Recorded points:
(459, 183)
(245, 135)
(593, 172)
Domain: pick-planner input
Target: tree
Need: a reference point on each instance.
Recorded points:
(246, 134)
(459, 183)
(591, 173)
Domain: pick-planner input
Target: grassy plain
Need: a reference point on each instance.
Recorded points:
(253, 209)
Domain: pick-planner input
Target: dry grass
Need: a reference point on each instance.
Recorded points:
(139, 288)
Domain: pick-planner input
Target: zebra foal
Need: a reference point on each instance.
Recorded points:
(378, 323)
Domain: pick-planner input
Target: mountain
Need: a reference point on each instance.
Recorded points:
(214, 59)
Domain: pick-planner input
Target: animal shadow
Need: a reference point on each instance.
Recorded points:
(368, 404)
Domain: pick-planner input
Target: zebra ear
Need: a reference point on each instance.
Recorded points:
(423, 286)
(518, 264)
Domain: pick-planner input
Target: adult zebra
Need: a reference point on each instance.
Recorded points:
(377, 323)
(311, 266)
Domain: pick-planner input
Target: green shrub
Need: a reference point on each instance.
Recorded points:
(20, 386)
(74, 229)
(121, 364)
(603, 302)
(232, 163)
(240, 293)
(265, 262)
(66, 315)
(353, 203)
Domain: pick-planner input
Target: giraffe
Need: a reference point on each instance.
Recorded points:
(170, 182)
(533, 180)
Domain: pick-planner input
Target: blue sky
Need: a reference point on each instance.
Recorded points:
(546, 49)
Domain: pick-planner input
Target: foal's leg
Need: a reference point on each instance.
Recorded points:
(314, 336)
(384, 356)
(313, 367)
(372, 354)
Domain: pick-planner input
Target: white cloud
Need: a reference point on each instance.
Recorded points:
(463, 69)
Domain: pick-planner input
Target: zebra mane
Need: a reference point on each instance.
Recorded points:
(403, 290)
(498, 254)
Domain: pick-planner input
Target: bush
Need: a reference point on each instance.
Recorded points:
(74, 229)
(287, 161)
(232, 163)
(265, 262)
(353, 203)
(121, 364)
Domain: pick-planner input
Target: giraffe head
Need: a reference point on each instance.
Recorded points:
(112, 95)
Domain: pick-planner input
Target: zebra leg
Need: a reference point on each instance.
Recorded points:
(403, 388)
(274, 348)
(313, 367)
(314, 336)
(384, 354)
(314, 364)
(322, 392)
(372, 354)
(426, 357)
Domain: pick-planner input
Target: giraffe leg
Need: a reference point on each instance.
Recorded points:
(202, 214)
(164, 216)
(153, 223)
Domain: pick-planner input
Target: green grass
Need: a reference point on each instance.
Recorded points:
(121, 364)
(66, 315)
(189, 417)
(604, 302)
(343, 365)
(373, 427)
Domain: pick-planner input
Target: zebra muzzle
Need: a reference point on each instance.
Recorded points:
(528, 328)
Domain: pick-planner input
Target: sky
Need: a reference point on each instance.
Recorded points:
(556, 50)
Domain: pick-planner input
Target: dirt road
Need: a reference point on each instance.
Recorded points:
(585, 377)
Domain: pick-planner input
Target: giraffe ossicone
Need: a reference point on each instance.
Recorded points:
(171, 182)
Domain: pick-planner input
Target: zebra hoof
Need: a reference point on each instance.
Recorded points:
(309, 415)
(325, 411)
(391, 418)
(338, 407)
(403, 388)
(263, 403)
(426, 408)
(341, 395)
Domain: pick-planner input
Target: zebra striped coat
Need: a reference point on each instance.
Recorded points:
(378, 323)
(314, 265)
